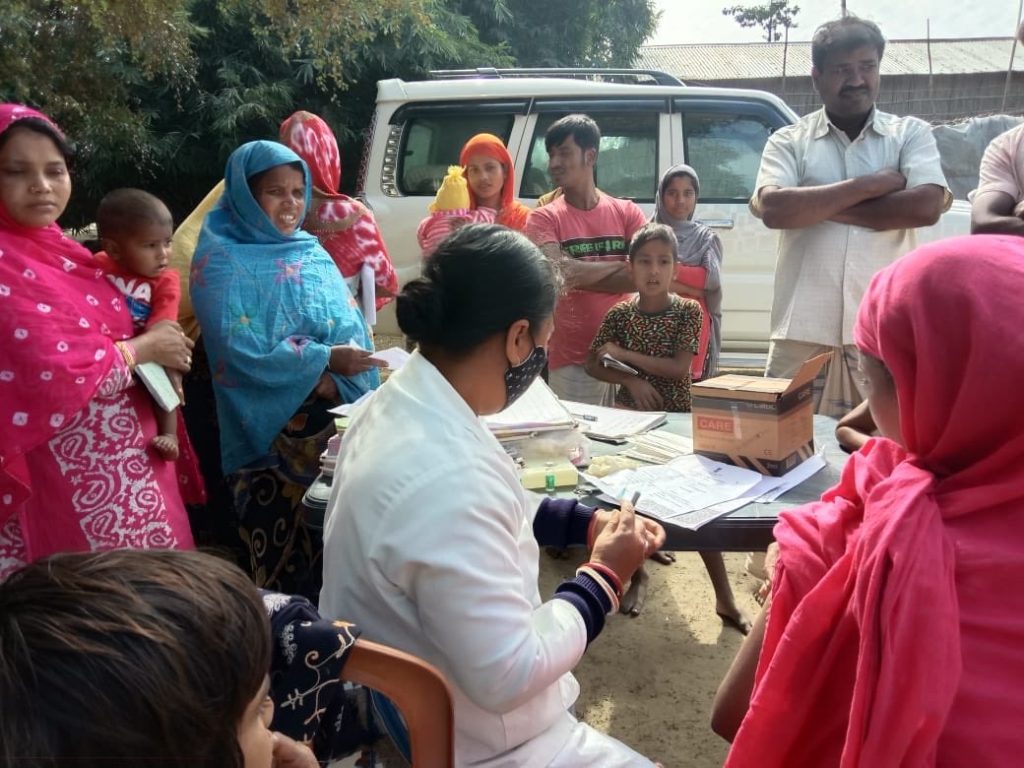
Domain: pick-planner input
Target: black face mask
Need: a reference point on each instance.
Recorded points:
(518, 378)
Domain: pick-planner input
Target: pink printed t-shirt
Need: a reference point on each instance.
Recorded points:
(600, 234)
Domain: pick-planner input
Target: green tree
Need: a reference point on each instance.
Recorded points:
(568, 33)
(773, 17)
(157, 93)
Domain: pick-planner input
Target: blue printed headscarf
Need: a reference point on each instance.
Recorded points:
(270, 307)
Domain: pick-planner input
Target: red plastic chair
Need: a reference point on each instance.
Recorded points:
(419, 691)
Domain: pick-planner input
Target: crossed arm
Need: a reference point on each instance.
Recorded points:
(600, 276)
(675, 367)
(643, 392)
(996, 213)
(878, 201)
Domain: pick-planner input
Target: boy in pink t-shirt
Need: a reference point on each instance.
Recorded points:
(587, 232)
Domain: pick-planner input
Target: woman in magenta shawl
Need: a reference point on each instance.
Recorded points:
(895, 624)
(76, 468)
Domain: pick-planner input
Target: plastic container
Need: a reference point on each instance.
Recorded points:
(316, 496)
(536, 477)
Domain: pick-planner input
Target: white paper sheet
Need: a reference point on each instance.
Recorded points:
(368, 294)
(697, 518)
(794, 477)
(610, 362)
(614, 423)
(700, 517)
(665, 497)
(347, 409)
(395, 357)
(685, 485)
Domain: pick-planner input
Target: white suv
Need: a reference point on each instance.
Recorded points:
(420, 127)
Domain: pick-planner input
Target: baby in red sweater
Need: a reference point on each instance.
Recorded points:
(135, 229)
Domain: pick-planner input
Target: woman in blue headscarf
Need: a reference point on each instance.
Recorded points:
(285, 342)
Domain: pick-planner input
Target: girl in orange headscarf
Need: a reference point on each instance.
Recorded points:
(491, 177)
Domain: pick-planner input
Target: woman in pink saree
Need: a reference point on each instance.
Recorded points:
(76, 469)
(895, 624)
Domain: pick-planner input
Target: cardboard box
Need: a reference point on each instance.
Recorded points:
(758, 423)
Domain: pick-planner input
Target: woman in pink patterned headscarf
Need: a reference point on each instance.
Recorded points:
(345, 227)
(76, 468)
(895, 624)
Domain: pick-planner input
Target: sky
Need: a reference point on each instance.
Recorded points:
(702, 21)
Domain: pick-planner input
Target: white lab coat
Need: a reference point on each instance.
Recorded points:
(429, 548)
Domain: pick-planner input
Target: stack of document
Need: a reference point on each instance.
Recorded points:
(658, 447)
(674, 490)
(538, 410)
(694, 490)
(614, 423)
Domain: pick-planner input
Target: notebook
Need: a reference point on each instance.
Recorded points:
(538, 410)
(610, 362)
(614, 423)
(159, 385)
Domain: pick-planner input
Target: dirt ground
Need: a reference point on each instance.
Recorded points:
(650, 680)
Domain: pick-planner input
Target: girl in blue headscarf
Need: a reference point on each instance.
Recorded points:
(285, 342)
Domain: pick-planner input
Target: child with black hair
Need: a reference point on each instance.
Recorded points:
(657, 333)
(135, 230)
(131, 657)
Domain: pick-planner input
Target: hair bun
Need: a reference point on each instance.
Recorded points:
(420, 311)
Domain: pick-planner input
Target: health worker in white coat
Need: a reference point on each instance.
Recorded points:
(431, 544)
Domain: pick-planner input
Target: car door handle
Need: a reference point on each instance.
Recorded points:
(728, 223)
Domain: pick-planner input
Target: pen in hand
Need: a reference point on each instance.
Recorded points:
(635, 499)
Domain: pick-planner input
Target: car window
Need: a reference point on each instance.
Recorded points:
(627, 162)
(725, 150)
(431, 143)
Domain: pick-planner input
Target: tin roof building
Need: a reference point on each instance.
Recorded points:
(939, 80)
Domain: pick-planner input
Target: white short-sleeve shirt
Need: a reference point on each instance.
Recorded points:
(823, 270)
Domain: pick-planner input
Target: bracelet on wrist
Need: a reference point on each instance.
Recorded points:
(128, 354)
(609, 574)
(609, 592)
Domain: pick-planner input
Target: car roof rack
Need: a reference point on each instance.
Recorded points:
(613, 75)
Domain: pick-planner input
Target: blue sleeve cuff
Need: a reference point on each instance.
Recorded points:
(562, 523)
(587, 596)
